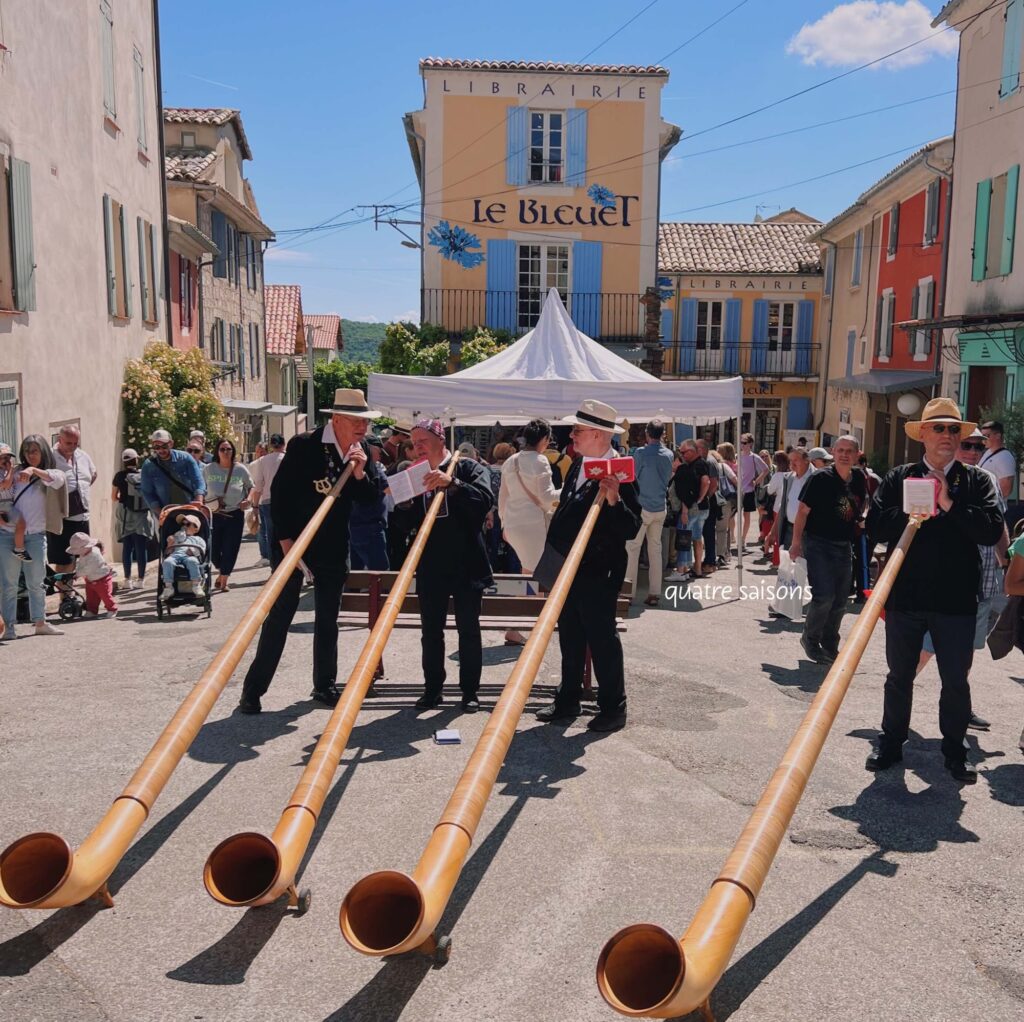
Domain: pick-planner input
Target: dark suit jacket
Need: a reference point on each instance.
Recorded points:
(942, 572)
(605, 556)
(294, 498)
(456, 547)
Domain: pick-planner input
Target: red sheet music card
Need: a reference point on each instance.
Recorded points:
(920, 497)
(624, 469)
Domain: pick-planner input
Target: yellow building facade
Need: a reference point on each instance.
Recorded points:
(535, 176)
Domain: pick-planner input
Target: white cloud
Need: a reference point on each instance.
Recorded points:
(288, 255)
(857, 32)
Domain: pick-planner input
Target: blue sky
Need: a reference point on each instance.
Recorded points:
(322, 87)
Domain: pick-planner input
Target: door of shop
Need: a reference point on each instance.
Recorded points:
(986, 386)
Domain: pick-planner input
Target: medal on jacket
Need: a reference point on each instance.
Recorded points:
(322, 485)
(333, 470)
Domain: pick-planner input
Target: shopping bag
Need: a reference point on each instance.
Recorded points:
(790, 587)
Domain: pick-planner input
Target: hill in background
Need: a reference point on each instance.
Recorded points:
(362, 340)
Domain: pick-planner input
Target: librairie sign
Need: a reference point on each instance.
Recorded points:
(530, 212)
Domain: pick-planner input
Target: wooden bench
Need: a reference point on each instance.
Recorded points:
(513, 604)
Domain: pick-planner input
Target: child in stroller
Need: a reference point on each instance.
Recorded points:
(186, 548)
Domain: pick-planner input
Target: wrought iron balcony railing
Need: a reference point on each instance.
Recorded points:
(748, 359)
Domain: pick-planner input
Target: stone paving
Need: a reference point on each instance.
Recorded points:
(896, 896)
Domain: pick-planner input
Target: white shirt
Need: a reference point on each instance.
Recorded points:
(80, 472)
(31, 507)
(796, 487)
(93, 565)
(1000, 463)
(932, 468)
(775, 485)
(263, 471)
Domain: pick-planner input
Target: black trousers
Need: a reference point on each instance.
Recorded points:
(226, 540)
(953, 638)
(588, 619)
(328, 583)
(433, 593)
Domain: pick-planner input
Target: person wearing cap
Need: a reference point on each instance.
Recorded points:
(997, 459)
(367, 526)
(312, 464)
(133, 524)
(936, 590)
(170, 476)
(588, 616)
(263, 471)
(184, 548)
(454, 564)
(820, 458)
(197, 438)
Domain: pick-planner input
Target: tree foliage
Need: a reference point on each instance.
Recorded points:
(362, 340)
(329, 376)
(479, 345)
(170, 389)
(409, 350)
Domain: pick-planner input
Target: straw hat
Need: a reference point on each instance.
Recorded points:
(349, 401)
(940, 409)
(596, 415)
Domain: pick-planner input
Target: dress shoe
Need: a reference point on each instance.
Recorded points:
(605, 722)
(652, 601)
(249, 705)
(555, 714)
(814, 652)
(978, 723)
(882, 758)
(428, 701)
(329, 696)
(829, 653)
(962, 770)
(470, 705)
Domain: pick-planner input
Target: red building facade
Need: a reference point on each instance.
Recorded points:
(189, 248)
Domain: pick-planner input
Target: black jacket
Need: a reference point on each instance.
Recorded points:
(942, 572)
(456, 547)
(605, 556)
(294, 497)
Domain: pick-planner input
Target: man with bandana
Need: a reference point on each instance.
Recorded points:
(312, 464)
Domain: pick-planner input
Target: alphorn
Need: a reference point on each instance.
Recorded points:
(645, 971)
(252, 869)
(42, 870)
(389, 912)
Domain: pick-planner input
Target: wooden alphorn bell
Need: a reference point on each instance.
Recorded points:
(252, 869)
(645, 971)
(41, 870)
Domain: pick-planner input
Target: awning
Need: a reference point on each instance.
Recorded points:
(239, 407)
(281, 409)
(884, 382)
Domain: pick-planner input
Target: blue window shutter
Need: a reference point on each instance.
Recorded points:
(733, 324)
(144, 283)
(982, 207)
(576, 152)
(804, 336)
(688, 335)
(759, 351)
(124, 263)
(516, 154)
(108, 247)
(798, 413)
(501, 284)
(667, 319)
(1009, 219)
(241, 353)
(586, 287)
(1013, 34)
(219, 228)
(22, 243)
(851, 344)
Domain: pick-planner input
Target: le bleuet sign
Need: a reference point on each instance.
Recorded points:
(537, 212)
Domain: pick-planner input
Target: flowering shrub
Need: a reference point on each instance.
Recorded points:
(173, 390)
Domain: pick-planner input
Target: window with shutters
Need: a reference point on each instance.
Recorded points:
(115, 232)
(257, 359)
(140, 99)
(894, 231)
(547, 146)
(240, 352)
(931, 212)
(17, 245)
(710, 324)
(233, 239)
(1013, 36)
(996, 216)
(884, 327)
(922, 306)
(995, 223)
(147, 269)
(186, 294)
(218, 342)
(858, 258)
(6, 238)
(781, 325)
(9, 415)
(540, 267)
(107, 55)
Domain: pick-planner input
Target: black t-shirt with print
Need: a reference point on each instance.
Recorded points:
(836, 504)
(687, 482)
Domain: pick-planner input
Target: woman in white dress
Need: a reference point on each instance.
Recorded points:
(526, 500)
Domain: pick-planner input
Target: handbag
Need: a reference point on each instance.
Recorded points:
(684, 540)
(548, 567)
(76, 506)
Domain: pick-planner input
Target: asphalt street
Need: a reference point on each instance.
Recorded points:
(896, 896)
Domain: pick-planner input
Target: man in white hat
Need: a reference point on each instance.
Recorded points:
(588, 617)
(936, 590)
(311, 465)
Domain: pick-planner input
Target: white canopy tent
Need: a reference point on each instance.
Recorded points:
(547, 373)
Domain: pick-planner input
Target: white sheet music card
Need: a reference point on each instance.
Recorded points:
(447, 736)
(408, 484)
(920, 497)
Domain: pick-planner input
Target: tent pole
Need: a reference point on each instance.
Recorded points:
(738, 519)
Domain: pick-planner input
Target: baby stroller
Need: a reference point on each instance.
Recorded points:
(63, 582)
(180, 594)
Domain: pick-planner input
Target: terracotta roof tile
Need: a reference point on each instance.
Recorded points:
(209, 115)
(738, 248)
(284, 316)
(188, 164)
(444, 63)
(326, 332)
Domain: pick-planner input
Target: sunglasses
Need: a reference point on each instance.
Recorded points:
(965, 446)
(159, 447)
(225, 448)
(194, 450)
(940, 427)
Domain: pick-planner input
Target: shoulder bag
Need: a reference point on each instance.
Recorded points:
(7, 506)
(76, 506)
(179, 492)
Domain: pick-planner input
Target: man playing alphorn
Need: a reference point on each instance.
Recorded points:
(588, 617)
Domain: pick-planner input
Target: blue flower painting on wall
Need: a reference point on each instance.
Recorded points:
(456, 244)
(601, 196)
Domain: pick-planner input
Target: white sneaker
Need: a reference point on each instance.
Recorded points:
(129, 585)
(199, 592)
(678, 576)
(263, 562)
(45, 628)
